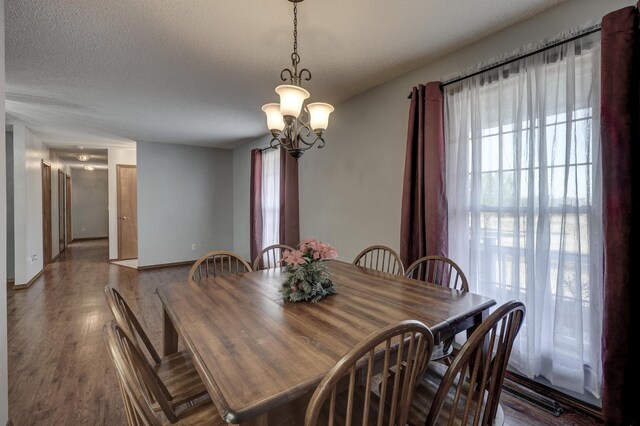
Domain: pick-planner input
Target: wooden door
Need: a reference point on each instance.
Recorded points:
(127, 212)
(62, 209)
(67, 193)
(46, 213)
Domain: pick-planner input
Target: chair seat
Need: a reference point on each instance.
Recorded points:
(426, 392)
(180, 377)
(203, 413)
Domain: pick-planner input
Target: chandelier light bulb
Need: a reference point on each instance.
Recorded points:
(275, 122)
(291, 100)
(84, 157)
(319, 112)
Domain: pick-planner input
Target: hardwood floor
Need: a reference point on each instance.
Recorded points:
(59, 371)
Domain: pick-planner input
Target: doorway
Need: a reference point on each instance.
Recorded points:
(46, 213)
(68, 210)
(127, 194)
(62, 211)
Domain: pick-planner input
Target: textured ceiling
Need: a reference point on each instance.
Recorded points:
(107, 72)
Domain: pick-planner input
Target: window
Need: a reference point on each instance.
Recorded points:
(525, 208)
(270, 197)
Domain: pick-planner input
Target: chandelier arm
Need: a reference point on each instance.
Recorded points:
(286, 141)
(305, 117)
(283, 74)
(295, 136)
(303, 71)
(304, 138)
(306, 128)
(275, 142)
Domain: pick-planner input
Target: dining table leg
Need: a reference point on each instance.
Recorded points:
(170, 335)
(477, 320)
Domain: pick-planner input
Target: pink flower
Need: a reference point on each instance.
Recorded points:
(293, 257)
(309, 244)
(327, 252)
(317, 250)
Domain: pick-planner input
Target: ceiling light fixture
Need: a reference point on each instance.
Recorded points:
(84, 157)
(90, 168)
(294, 125)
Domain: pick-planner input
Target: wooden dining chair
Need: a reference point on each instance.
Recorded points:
(139, 386)
(175, 372)
(442, 271)
(270, 257)
(381, 258)
(438, 270)
(218, 263)
(468, 391)
(351, 393)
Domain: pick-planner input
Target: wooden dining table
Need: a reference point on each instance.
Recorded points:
(261, 357)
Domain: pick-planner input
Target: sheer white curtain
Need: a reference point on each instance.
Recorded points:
(270, 197)
(525, 207)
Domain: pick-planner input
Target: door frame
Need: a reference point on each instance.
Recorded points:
(47, 222)
(62, 211)
(118, 185)
(69, 236)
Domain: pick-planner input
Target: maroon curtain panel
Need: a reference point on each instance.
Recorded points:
(255, 204)
(423, 229)
(289, 204)
(620, 136)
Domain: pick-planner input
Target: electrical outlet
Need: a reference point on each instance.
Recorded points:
(34, 257)
(83, 229)
(193, 247)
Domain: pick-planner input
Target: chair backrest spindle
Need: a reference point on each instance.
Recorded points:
(270, 257)
(405, 347)
(128, 320)
(438, 270)
(470, 389)
(137, 380)
(218, 263)
(380, 258)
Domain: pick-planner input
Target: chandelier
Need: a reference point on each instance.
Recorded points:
(295, 125)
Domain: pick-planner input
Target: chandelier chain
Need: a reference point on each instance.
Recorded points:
(295, 28)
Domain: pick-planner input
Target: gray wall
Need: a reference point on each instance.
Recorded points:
(28, 153)
(126, 156)
(10, 238)
(89, 203)
(185, 197)
(351, 191)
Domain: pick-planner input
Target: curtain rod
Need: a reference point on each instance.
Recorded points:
(592, 30)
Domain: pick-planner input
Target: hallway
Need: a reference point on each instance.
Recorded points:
(59, 370)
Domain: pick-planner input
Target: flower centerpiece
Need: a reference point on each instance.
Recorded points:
(308, 278)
